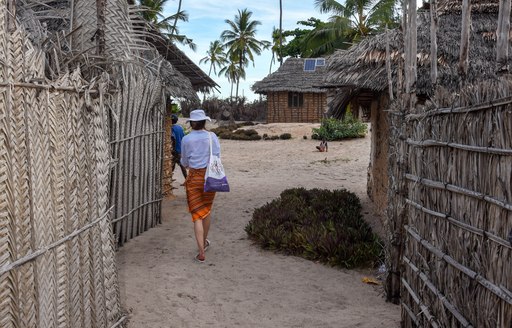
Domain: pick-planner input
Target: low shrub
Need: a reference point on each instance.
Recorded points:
(285, 136)
(234, 133)
(333, 129)
(319, 225)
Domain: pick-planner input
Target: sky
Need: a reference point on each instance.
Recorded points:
(207, 21)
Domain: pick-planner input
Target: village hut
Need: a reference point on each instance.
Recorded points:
(438, 153)
(361, 71)
(294, 92)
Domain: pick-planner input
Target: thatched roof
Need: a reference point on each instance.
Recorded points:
(363, 65)
(477, 6)
(292, 77)
(199, 79)
(126, 40)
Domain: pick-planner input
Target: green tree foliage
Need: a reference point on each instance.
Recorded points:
(152, 12)
(362, 17)
(317, 39)
(215, 56)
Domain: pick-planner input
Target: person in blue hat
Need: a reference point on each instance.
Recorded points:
(177, 135)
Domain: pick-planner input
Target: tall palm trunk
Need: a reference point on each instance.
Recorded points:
(280, 32)
(176, 18)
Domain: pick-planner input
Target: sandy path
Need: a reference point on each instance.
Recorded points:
(241, 285)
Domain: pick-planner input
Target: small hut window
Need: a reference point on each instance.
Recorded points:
(295, 99)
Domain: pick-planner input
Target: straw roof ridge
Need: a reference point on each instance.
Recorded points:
(364, 65)
(291, 77)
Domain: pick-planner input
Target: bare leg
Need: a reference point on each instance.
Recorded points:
(184, 171)
(206, 228)
(199, 233)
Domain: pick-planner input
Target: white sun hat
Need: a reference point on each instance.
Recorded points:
(198, 115)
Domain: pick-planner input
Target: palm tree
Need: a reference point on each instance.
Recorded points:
(152, 13)
(277, 42)
(215, 56)
(280, 31)
(364, 17)
(241, 41)
(233, 73)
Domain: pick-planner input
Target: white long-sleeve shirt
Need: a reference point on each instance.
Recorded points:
(195, 149)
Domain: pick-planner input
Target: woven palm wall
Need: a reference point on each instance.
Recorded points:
(137, 131)
(57, 264)
(136, 108)
(452, 197)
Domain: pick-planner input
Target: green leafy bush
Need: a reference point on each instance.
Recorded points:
(319, 225)
(285, 136)
(333, 129)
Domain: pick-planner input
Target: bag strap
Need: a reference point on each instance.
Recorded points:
(211, 145)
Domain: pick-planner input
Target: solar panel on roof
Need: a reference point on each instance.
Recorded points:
(309, 65)
(320, 62)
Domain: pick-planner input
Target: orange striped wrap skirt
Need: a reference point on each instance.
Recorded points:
(199, 202)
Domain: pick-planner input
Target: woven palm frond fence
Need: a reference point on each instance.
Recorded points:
(451, 197)
(137, 147)
(57, 265)
(136, 104)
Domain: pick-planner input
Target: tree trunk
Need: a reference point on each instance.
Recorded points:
(176, 19)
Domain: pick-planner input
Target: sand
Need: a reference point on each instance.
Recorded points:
(241, 285)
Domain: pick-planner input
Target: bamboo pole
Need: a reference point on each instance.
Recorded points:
(388, 67)
(502, 33)
(464, 42)
(498, 291)
(434, 26)
(413, 46)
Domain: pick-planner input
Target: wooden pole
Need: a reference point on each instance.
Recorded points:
(502, 33)
(434, 26)
(101, 8)
(407, 48)
(413, 45)
(464, 42)
(388, 66)
(11, 15)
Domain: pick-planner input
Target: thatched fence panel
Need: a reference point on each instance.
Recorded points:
(456, 257)
(137, 148)
(57, 264)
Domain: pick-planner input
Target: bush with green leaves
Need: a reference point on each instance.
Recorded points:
(319, 225)
(285, 136)
(333, 129)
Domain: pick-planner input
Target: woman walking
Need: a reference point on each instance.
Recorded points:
(195, 155)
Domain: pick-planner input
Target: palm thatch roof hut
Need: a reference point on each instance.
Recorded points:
(361, 70)
(441, 148)
(294, 92)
